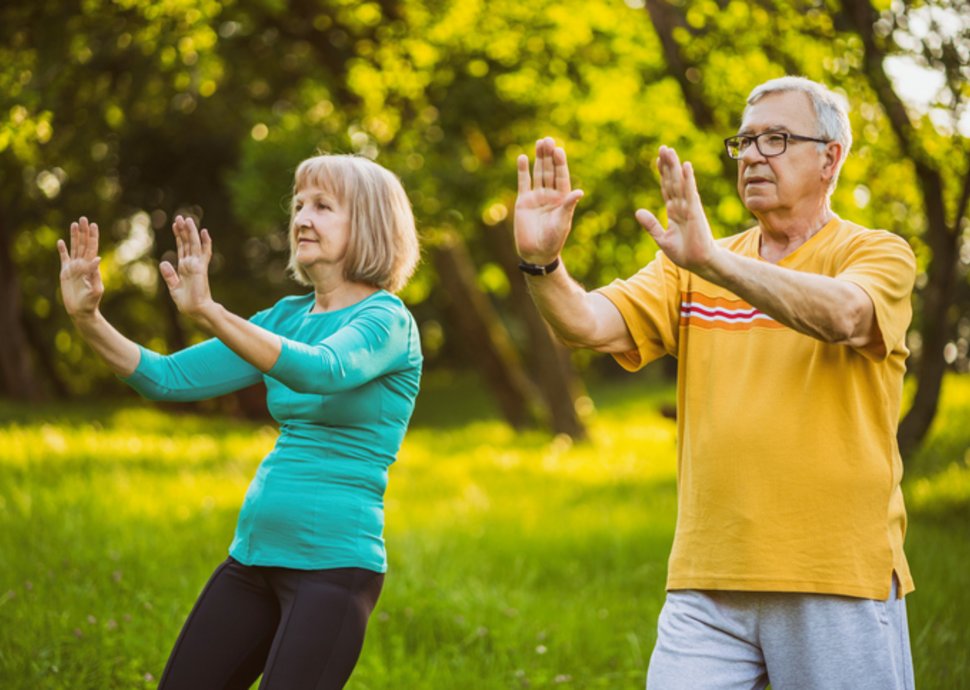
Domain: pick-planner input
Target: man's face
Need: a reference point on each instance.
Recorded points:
(796, 178)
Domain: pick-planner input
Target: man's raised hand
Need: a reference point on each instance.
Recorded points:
(688, 240)
(545, 204)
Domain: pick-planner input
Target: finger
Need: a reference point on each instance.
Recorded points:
(569, 203)
(522, 167)
(192, 234)
(671, 178)
(94, 273)
(169, 275)
(549, 166)
(537, 165)
(91, 249)
(206, 243)
(62, 252)
(179, 244)
(690, 185)
(75, 232)
(82, 236)
(560, 170)
(650, 223)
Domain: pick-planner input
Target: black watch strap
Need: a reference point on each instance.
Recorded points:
(538, 269)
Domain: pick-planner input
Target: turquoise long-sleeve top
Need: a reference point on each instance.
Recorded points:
(342, 390)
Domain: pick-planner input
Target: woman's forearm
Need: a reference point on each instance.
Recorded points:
(258, 346)
(119, 353)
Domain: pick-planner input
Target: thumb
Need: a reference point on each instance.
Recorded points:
(169, 275)
(62, 251)
(650, 223)
(569, 203)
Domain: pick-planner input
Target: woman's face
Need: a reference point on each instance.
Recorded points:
(321, 229)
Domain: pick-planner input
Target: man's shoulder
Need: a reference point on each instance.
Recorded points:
(854, 236)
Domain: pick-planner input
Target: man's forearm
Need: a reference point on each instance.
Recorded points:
(580, 319)
(831, 310)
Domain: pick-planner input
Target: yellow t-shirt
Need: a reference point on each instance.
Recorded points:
(788, 468)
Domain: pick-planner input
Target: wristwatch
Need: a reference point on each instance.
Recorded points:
(538, 269)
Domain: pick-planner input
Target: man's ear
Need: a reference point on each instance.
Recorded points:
(833, 156)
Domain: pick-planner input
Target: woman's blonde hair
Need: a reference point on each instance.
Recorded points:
(383, 249)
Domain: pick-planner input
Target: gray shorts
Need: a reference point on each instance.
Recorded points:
(729, 640)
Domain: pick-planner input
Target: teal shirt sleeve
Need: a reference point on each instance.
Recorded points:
(377, 341)
(203, 371)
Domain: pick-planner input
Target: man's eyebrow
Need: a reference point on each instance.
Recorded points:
(749, 131)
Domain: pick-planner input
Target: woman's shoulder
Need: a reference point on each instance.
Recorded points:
(283, 308)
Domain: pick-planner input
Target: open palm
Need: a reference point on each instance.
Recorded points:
(545, 204)
(688, 240)
(81, 285)
(189, 283)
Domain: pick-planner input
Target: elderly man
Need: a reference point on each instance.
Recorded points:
(787, 564)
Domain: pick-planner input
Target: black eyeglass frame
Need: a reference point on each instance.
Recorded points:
(757, 144)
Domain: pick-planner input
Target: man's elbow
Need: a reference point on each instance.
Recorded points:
(857, 327)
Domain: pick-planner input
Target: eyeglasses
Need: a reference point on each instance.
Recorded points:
(768, 143)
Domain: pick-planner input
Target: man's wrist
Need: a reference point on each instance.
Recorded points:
(538, 269)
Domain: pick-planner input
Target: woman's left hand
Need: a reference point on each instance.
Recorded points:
(189, 284)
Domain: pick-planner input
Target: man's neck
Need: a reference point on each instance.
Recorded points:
(783, 233)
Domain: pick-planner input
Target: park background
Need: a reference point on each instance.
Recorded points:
(532, 506)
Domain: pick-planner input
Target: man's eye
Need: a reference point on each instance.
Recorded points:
(775, 139)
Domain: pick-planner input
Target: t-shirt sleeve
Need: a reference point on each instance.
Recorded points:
(884, 266)
(206, 370)
(649, 303)
(377, 341)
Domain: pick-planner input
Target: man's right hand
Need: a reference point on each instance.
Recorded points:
(545, 204)
(81, 285)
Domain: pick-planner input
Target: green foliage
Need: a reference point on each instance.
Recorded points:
(516, 561)
(137, 110)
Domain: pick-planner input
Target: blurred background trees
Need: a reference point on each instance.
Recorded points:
(133, 111)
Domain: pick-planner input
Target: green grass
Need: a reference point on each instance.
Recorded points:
(516, 561)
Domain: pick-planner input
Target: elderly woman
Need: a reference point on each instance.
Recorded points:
(341, 366)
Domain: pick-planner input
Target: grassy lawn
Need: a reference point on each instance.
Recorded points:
(517, 561)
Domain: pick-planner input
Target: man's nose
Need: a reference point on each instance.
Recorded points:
(752, 155)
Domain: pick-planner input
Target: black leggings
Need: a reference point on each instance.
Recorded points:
(302, 629)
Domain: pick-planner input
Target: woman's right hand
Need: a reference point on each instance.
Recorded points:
(81, 285)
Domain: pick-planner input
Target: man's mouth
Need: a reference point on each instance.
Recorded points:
(757, 180)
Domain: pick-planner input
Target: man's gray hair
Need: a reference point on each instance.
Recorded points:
(831, 111)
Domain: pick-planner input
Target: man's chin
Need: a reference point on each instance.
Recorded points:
(758, 202)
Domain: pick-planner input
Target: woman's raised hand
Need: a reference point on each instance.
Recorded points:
(189, 283)
(81, 285)
(545, 204)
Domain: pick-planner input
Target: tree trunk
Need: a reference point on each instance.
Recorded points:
(665, 19)
(17, 378)
(942, 239)
(554, 373)
(482, 333)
